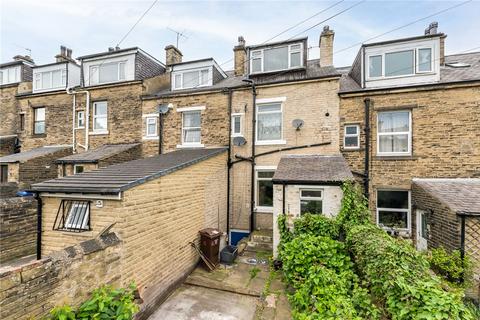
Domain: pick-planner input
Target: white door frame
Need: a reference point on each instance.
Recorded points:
(422, 243)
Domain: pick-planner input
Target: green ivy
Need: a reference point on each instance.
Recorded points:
(450, 266)
(315, 224)
(354, 207)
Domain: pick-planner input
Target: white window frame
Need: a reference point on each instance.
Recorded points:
(349, 135)
(290, 51)
(190, 144)
(306, 198)
(38, 81)
(417, 60)
(83, 225)
(199, 72)
(94, 72)
(75, 166)
(35, 120)
(79, 126)
(409, 132)
(6, 73)
(408, 211)
(241, 116)
(94, 117)
(260, 102)
(155, 122)
(257, 170)
(382, 66)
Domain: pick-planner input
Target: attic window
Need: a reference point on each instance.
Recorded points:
(73, 216)
(276, 58)
(458, 65)
(191, 79)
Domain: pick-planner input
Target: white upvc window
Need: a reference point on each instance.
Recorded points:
(237, 124)
(191, 79)
(78, 168)
(54, 79)
(100, 117)
(39, 125)
(10, 75)
(264, 188)
(269, 122)
(311, 201)
(351, 136)
(191, 128)
(107, 72)
(80, 119)
(400, 63)
(78, 216)
(394, 133)
(151, 127)
(393, 209)
(276, 58)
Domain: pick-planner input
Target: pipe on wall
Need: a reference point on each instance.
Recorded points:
(39, 225)
(71, 91)
(229, 154)
(366, 180)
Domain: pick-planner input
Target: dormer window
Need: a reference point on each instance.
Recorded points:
(191, 79)
(400, 63)
(50, 79)
(276, 58)
(107, 72)
(10, 75)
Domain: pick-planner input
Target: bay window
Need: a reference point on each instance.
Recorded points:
(394, 133)
(264, 189)
(100, 117)
(39, 120)
(311, 201)
(269, 122)
(393, 209)
(191, 127)
(276, 58)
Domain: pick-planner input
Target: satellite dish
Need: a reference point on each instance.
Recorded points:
(239, 141)
(297, 123)
(163, 108)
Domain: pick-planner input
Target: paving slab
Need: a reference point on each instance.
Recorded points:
(200, 303)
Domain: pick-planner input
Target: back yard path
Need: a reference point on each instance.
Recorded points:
(247, 290)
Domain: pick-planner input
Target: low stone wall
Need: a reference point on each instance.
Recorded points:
(67, 276)
(18, 227)
(8, 190)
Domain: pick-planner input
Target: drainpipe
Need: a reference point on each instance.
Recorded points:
(283, 199)
(252, 181)
(229, 163)
(74, 142)
(39, 225)
(87, 113)
(367, 102)
(160, 133)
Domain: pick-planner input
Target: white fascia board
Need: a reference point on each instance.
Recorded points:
(110, 56)
(196, 108)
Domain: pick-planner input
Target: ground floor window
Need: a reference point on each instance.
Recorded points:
(311, 201)
(78, 169)
(264, 189)
(73, 215)
(4, 173)
(393, 209)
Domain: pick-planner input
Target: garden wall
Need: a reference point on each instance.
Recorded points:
(18, 227)
(67, 276)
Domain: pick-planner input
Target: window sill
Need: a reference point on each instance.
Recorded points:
(79, 128)
(263, 209)
(352, 149)
(395, 157)
(190, 146)
(39, 135)
(150, 138)
(97, 133)
(270, 142)
(236, 135)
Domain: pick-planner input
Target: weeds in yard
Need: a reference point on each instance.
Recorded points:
(253, 272)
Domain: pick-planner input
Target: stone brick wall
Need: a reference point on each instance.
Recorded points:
(7, 145)
(18, 227)
(445, 120)
(8, 110)
(68, 276)
(214, 120)
(316, 103)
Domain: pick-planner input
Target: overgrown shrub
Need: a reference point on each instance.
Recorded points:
(105, 303)
(400, 277)
(317, 225)
(354, 208)
(450, 266)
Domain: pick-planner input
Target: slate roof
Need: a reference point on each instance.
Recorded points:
(460, 195)
(32, 154)
(94, 155)
(119, 177)
(312, 169)
(313, 70)
(447, 74)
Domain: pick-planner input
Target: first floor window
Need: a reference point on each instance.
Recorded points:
(311, 201)
(39, 120)
(151, 126)
(78, 168)
(237, 124)
(394, 132)
(4, 173)
(393, 209)
(269, 122)
(100, 122)
(191, 127)
(78, 216)
(80, 119)
(351, 138)
(265, 188)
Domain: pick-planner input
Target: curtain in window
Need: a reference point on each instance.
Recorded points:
(191, 127)
(269, 126)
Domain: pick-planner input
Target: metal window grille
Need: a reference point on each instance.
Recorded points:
(73, 215)
(470, 239)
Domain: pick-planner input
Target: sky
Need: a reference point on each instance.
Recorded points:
(211, 28)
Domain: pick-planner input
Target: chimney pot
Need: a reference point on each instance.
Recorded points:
(117, 48)
(62, 50)
(432, 28)
(240, 57)
(69, 53)
(326, 47)
(173, 55)
(110, 49)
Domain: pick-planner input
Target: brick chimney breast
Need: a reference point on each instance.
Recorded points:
(240, 57)
(173, 55)
(25, 58)
(326, 47)
(63, 55)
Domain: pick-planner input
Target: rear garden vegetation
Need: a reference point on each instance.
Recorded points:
(348, 268)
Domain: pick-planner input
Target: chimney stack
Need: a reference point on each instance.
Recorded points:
(25, 58)
(432, 28)
(64, 55)
(326, 47)
(173, 55)
(111, 49)
(240, 57)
